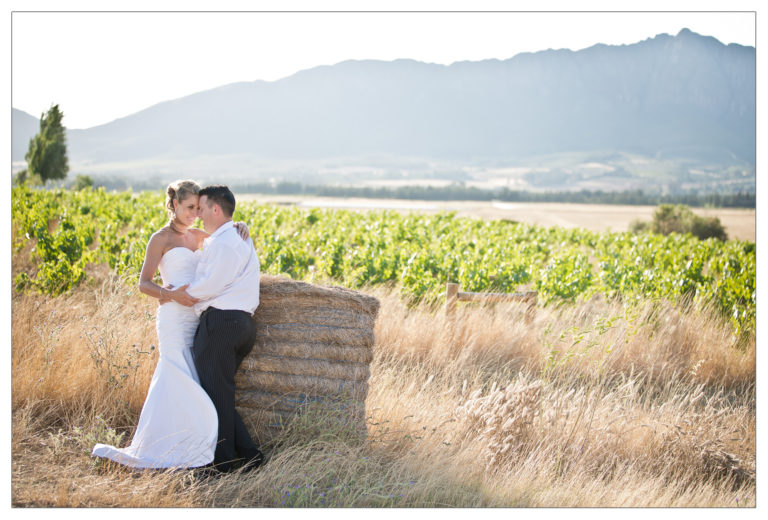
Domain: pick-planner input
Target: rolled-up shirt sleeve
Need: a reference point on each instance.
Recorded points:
(209, 282)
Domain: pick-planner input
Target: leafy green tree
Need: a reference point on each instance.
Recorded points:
(47, 153)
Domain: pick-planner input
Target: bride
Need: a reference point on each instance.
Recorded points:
(178, 423)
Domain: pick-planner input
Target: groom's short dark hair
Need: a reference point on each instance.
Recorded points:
(222, 196)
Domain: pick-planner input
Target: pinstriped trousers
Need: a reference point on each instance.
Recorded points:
(222, 340)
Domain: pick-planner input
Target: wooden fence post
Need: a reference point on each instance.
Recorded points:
(530, 312)
(451, 297)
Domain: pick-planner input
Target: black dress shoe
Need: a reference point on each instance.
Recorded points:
(207, 471)
(254, 462)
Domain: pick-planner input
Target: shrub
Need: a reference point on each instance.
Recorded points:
(671, 219)
(708, 227)
(83, 181)
(639, 226)
(680, 219)
(20, 177)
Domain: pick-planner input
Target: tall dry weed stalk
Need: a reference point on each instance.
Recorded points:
(505, 418)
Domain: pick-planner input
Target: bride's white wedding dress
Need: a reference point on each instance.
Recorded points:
(178, 424)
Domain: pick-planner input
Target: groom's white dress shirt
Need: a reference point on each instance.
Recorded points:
(227, 276)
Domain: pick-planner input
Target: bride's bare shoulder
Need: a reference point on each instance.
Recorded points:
(160, 238)
(162, 233)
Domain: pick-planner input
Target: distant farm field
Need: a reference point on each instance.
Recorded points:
(738, 223)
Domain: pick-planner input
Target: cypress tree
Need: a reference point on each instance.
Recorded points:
(47, 153)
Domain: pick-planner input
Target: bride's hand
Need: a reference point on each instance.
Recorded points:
(242, 230)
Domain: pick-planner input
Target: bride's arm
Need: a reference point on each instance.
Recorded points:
(151, 260)
(242, 230)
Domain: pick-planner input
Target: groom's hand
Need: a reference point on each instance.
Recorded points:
(164, 298)
(180, 296)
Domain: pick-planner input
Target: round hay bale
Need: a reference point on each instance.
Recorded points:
(313, 316)
(313, 349)
(284, 292)
(307, 367)
(308, 350)
(320, 333)
(290, 385)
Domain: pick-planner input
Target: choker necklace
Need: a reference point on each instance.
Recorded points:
(170, 225)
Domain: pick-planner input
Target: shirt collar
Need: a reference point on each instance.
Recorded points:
(225, 226)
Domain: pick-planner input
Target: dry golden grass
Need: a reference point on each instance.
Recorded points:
(594, 404)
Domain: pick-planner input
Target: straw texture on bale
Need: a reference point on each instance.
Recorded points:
(313, 347)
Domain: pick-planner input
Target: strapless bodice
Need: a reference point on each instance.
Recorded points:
(177, 266)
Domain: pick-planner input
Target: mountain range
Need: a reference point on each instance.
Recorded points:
(685, 102)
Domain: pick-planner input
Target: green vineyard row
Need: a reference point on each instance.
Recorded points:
(417, 253)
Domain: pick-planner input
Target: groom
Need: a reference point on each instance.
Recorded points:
(224, 292)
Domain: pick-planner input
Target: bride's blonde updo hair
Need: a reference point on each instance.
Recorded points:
(179, 190)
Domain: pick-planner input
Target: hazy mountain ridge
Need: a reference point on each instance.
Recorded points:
(683, 97)
(24, 127)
